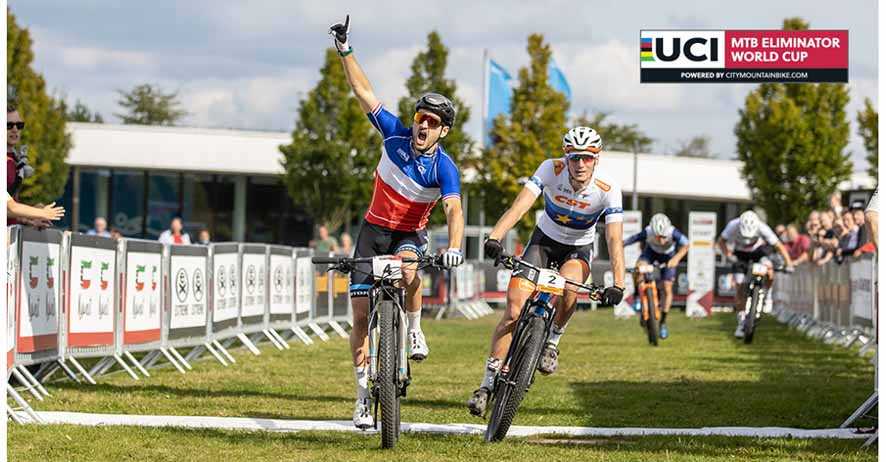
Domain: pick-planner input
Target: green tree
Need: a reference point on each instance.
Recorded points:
(532, 133)
(429, 75)
(697, 146)
(616, 137)
(867, 129)
(81, 113)
(791, 140)
(147, 104)
(48, 142)
(330, 163)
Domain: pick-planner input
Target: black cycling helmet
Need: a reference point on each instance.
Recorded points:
(438, 104)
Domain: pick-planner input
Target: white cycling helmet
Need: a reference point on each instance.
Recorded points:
(748, 227)
(582, 139)
(661, 225)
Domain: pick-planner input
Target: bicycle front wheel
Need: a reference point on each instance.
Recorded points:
(388, 383)
(515, 384)
(750, 321)
(652, 320)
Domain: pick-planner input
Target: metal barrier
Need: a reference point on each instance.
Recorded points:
(72, 296)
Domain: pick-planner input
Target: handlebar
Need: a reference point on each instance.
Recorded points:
(346, 263)
(511, 262)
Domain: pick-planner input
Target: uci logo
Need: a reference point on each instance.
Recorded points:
(682, 49)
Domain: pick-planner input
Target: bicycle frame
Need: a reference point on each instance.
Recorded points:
(539, 304)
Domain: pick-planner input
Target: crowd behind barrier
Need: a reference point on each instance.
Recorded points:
(73, 296)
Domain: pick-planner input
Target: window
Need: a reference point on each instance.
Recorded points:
(164, 195)
(271, 216)
(209, 203)
(93, 197)
(127, 203)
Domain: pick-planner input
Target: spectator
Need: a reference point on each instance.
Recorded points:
(100, 228)
(203, 237)
(865, 245)
(17, 169)
(116, 234)
(45, 213)
(175, 235)
(325, 243)
(347, 244)
(780, 232)
(827, 239)
(849, 238)
(797, 245)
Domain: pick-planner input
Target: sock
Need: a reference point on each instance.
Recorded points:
(362, 378)
(413, 319)
(556, 333)
(493, 365)
(664, 316)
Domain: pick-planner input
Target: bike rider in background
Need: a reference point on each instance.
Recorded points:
(664, 244)
(414, 172)
(577, 194)
(744, 241)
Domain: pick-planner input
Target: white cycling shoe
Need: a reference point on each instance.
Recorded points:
(739, 329)
(363, 418)
(418, 346)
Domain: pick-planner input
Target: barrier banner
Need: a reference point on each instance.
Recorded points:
(187, 294)
(862, 275)
(225, 277)
(253, 300)
(282, 288)
(12, 285)
(142, 292)
(304, 284)
(701, 270)
(40, 293)
(92, 293)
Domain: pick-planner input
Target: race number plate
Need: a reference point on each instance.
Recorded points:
(759, 269)
(388, 266)
(550, 282)
(646, 269)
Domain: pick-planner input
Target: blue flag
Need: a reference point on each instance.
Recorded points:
(557, 80)
(498, 96)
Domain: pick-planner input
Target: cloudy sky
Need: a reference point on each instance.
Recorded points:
(246, 64)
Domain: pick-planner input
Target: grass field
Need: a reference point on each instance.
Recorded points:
(608, 377)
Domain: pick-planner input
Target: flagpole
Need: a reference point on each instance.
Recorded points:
(485, 106)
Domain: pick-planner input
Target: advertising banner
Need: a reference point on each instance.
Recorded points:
(253, 285)
(188, 291)
(226, 296)
(700, 269)
(749, 56)
(282, 282)
(92, 291)
(861, 282)
(40, 290)
(12, 233)
(304, 283)
(142, 301)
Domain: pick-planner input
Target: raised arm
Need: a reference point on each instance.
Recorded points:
(356, 78)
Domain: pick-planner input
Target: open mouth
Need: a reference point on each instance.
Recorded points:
(422, 135)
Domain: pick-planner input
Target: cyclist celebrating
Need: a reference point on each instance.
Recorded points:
(413, 174)
(752, 241)
(577, 195)
(664, 243)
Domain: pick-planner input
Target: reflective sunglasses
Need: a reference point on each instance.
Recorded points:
(18, 125)
(581, 156)
(433, 121)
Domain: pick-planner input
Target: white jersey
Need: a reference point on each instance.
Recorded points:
(765, 235)
(570, 216)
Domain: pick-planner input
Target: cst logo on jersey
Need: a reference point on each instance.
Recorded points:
(571, 202)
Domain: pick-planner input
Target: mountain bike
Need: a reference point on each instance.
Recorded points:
(530, 334)
(647, 287)
(389, 371)
(756, 277)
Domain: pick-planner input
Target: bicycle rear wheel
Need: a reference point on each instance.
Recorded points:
(652, 321)
(510, 391)
(388, 389)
